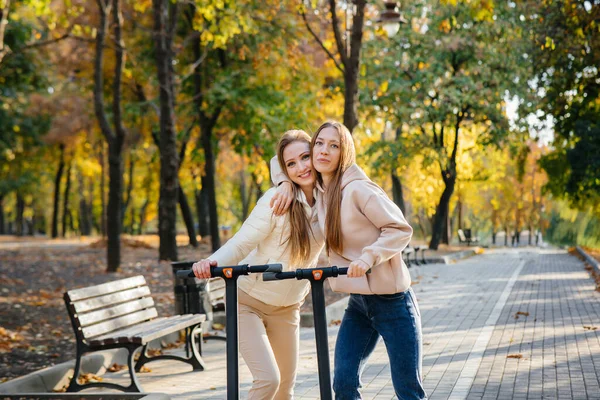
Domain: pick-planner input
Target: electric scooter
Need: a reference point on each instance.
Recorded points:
(230, 275)
(317, 277)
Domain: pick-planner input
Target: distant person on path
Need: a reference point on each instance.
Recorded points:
(269, 312)
(366, 232)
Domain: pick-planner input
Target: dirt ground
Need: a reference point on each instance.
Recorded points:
(35, 331)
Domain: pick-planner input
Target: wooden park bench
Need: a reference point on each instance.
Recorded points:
(414, 250)
(465, 237)
(121, 314)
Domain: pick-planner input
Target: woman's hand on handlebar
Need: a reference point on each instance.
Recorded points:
(357, 268)
(282, 199)
(202, 268)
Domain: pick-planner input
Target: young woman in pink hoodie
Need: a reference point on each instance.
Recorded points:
(269, 312)
(366, 232)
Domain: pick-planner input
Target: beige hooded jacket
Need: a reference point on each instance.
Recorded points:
(260, 241)
(374, 231)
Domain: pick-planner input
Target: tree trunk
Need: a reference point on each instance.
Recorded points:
(19, 214)
(447, 232)
(85, 209)
(398, 193)
(114, 138)
(257, 189)
(202, 212)
(186, 213)
(129, 185)
(441, 212)
(207, 123)
(66, 200)
(210, 188)
(102, 191)
(142, 217)
(113, 212)
(57, 180)
(2, 231)
(169, 158)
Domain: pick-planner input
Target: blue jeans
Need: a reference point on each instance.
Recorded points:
(397, 319)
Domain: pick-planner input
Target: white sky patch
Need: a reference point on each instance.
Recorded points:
(538, 128)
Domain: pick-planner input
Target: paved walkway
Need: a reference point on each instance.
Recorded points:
(509, 324)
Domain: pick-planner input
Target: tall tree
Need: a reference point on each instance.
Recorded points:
(566, 55)
(114, 135)
(452, 71)
(165, 14)
(348, 44)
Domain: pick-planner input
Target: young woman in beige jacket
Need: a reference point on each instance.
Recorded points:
(366, 232)
(269, 312)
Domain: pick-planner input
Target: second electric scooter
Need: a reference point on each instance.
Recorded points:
(317, 277)
(230, 275)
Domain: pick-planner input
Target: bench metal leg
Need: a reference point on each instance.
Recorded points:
(195, 360)
(423, 256)
(134, 387)
(416, 259)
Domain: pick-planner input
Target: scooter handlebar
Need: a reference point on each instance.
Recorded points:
(244, 269)
(308, 273)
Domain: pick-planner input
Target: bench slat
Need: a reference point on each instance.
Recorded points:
(149, 331)
(111, 299)
(119, 323)
(109, 287)
(147, 328)
(114, 312)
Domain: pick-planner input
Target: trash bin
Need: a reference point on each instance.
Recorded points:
(191, 294)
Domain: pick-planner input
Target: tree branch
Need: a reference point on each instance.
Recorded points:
(335, 24)
(331, 56)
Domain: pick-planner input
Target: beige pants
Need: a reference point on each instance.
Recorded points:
(269, 340)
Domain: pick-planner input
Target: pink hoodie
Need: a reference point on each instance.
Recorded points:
(374, 231)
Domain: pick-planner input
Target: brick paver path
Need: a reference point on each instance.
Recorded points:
(508, 324)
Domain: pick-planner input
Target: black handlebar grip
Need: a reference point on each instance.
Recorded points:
(343, 271)
(265, 268)
(275, 276)
(185, 273)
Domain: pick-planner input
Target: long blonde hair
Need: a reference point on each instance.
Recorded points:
(333, 192)
(298, 240)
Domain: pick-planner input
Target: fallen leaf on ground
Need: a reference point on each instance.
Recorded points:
(218, 327)
(117, 367)
(154, 352)
(145, 369)
(335, 322)
(521, 313)
(514, 356)
(88, 378)
(590, 328)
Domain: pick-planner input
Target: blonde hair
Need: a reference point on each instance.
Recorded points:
(298, 240)
(333, 192)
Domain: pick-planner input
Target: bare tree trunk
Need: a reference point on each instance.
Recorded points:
(57, 180)
(202, 212)
(19, 214)
(66, 193)
(85, 221)
(186, 213)
(169, 158)
(441, 214)
(129, 189)
(114, 138)
(102, 190)
(2, 231)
